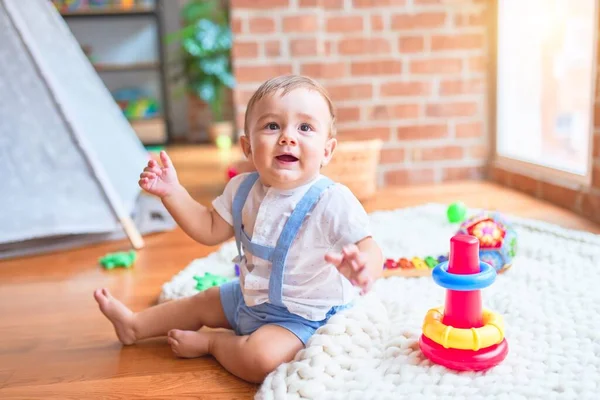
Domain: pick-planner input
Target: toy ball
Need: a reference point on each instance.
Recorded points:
(456, 212)
(497, 239)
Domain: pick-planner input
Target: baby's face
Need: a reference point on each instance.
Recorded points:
(289, 137)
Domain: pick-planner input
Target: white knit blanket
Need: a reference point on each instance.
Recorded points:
(550, 301)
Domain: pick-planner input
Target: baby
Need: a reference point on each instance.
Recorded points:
(303, 241)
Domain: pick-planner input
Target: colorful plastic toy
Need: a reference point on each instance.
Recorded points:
(461, 335)
(209, 280)
(123, 259)
(456, 212)
(497, 239)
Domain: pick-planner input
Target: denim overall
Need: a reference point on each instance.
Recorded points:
(244, 319)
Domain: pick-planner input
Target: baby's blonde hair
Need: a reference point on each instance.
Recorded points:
(288, 83)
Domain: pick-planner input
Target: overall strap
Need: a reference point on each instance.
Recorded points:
(287, 236)
(238, 205)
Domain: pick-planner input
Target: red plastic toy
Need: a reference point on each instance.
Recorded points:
(462, 335)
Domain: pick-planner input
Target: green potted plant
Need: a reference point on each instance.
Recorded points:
(204, 59)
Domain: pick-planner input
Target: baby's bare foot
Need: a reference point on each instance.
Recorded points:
(188, 344)
(120, 316)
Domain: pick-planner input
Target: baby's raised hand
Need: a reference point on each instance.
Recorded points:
(353, 265)
(157, 180)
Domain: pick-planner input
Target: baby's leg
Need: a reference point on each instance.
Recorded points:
(190, 313)
(250, 357)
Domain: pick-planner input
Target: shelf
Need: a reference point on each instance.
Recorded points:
(150, 130)
(102, 12)
(126, 67)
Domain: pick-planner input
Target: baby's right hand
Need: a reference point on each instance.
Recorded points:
(157, 180)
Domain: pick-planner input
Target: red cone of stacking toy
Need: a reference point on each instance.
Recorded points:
(463, 308)
(462, 335)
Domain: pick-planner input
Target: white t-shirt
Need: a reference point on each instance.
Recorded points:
(311, 286)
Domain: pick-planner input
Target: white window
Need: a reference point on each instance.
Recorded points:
(545, 86)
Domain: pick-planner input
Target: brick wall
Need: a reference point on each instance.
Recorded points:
(411, 72)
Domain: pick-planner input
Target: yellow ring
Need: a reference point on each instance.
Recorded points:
(491, 333)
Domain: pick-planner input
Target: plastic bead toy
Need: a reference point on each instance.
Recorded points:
(123, 259)
(497, 239)
(456, 212)
(462, 335)
(209, 280)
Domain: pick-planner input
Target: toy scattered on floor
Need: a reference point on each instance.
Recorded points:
(497, 239)
(237, 270)
(497, 247)
(209, 280)
(456, 212)
(462, 335)
(123, 259)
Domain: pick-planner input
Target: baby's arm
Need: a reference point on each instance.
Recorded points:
(201, 224)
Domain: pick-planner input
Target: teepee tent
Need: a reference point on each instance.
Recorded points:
(69, 158)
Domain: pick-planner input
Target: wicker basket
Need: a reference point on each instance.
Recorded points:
(354, 164)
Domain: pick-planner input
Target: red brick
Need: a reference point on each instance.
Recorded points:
(596, 148)
(457, 42)
(392, 156)
(560, 195)
(245, 49)
(457, 86)
(243, 96)
(351, 23)
(377, 3)
(377, 23)
(596, 175)
(479, 152)
(348, 114)
(425, 20)
(382, 133)
(462, 173)
(325, 70)
(473, 18)
(411, 176)
(422, 132)
(258, 4)
(237, 25)
(260, 73)
(411, 44)
(446, 2)
(379, 67)
(413, 88)
(477, 64)
(272, 48)
(329, 4)
(458, 109)
(469, 130)
(590, 206)
(438, 153)
(436, 66)
(304, 47)
(261, 25)
(398, 111)
(350, 91)
(300, 23)
(525, 184)
(364, 46)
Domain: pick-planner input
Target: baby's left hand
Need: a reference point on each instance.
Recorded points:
(353, 265)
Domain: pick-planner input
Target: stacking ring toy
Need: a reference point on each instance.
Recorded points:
(481, 280)
(462, 335)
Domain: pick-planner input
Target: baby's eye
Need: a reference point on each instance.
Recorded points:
(305, 127)
(272, 126)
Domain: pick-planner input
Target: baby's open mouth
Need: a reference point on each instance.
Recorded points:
(287, 158)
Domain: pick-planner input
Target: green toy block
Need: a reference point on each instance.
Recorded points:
(209, 280)
(431, 262)
(123, 259)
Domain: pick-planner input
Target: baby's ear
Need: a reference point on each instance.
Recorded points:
(329, 150)
(245, 143)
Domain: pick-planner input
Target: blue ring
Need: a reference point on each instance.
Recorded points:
(460, 282)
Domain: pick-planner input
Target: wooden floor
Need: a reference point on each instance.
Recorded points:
(54, 343)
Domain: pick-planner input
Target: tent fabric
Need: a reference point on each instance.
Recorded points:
(66, 148)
